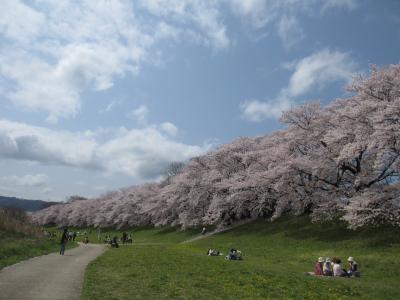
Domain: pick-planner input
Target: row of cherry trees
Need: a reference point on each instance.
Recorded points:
(341, 161)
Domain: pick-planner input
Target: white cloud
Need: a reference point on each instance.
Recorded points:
(319, 69)
(283, 14)
(110, 106)
(55, 51)
(140, 114)
(256, 12)
(28, 185)
(28, 180)
(312, 72)
(24, 142)
(39, 86)
(202, 19)
(346, 4)
(140, 153)
(257, 111)
(81, 47)
(261, 12)
(289, 31)
(145, 153)
(19, 21)
(169, 129)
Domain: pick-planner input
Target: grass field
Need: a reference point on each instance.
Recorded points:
(140, 235)
(15, 247)
(276, 255)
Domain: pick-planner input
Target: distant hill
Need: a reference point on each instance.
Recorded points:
(27, 205)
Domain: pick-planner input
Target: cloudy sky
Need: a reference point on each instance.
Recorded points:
(96, 95)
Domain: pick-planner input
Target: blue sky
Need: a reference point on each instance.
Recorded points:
(97, 95)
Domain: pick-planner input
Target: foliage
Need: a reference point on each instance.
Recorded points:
(16, 220)
(339, 161)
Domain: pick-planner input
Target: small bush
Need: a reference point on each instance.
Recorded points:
(16, 220)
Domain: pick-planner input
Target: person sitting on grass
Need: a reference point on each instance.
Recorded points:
(114, 242)
(353, 268)
(212, 252)
(338, 271)
(129, 239)
(327, 268)
(107, 239)
(234, 254)
(319, 267)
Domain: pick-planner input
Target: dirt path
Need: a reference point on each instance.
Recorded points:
(220, 230)
(48, 277)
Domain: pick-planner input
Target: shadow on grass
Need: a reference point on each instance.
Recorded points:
(301, 228)
(167, 230)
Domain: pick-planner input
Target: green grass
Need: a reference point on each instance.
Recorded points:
(275, 257)
(15, 247)
(165, 235)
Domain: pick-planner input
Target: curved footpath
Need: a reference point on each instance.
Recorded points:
(51, 276)
(217, 231)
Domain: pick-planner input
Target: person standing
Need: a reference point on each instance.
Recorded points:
(63, 241)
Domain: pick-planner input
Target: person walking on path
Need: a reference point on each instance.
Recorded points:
(63, 241)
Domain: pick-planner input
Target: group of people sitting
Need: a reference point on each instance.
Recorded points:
(114, 242)
(212, 252)
(233, 254)
(49, 234)
(334, 268)
(111, 241)
(126, 238)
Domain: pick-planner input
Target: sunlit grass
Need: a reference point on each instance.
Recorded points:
(15, 247)
(276, 256)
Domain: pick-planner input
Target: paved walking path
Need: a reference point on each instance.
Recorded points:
(48, 277)
(219, 230)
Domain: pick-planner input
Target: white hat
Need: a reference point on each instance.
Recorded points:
(350, 259)
(328, 260)
(321, 259)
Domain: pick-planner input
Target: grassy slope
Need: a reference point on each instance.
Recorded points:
(15, 247)
(140, 235)
(276, 255)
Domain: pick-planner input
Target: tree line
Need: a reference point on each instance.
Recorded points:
(340, 161)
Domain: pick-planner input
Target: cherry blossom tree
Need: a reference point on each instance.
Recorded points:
(338, 161)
